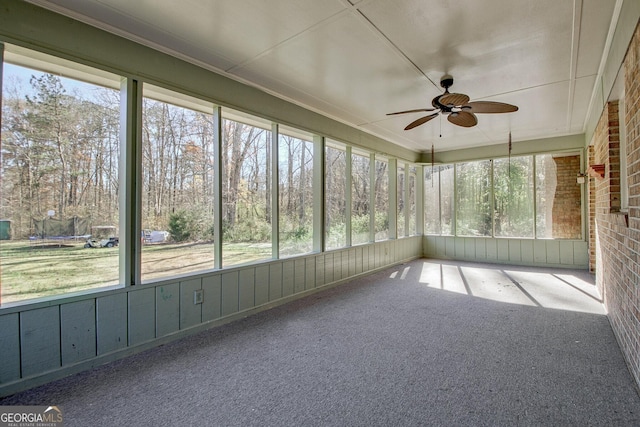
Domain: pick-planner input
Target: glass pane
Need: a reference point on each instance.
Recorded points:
(411, 200)
(59, 206)
(246, 193)
(473, 198)
(447, 195)
(296, 195)
(432, 200)
(177, 190)
(335, 197)
(558, 197)
(513, 192)
(401, 202)
(360, 190)
(382, 200)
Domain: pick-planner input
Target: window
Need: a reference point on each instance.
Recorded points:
(381, 199)
(439, 199)
(402, 203)
(411, 201)
(59, 165)
(335, 195)
(177, 190)
(360, 196)
(447, 199)
(495, 198)
(432, 200)
(513, 197)
(246, 189)
(296, 192)
(473, 199)
(558, 196)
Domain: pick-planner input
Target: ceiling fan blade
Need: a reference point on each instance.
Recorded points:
(419, 110)
(420, 121)
(454, 99)
(490, 107)
(463, 118)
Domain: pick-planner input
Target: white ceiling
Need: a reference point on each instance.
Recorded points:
(355, 61)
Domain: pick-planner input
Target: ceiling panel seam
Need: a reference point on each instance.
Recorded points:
(288, 40)
(395, 47)
(573, 63)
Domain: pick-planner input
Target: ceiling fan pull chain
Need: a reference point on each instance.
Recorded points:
(509, 155)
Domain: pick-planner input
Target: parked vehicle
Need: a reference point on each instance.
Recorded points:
(104, 236)
(104, 243)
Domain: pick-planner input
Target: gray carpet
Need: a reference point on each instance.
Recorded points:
(392, 349)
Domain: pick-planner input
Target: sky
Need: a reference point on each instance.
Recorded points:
(22, 75)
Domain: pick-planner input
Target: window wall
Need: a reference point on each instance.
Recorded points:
(206, 187)
(521, 197)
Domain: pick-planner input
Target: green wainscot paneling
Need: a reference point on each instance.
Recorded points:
(532, 252)
(78, 331)
(142, 315)
(9, 347)
(111, 323)
(40, 340)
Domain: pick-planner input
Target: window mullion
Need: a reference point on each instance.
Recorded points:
(217, 186)
(130, 175)
(349, 197)
(419, 195)
(392, 208)
(319, 202)
(275, 191)
(372, 197)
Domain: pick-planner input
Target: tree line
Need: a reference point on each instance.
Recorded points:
(61, 150)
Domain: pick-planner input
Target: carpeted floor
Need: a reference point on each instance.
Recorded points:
(428, 343)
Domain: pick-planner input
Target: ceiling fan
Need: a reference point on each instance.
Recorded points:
(457, 107)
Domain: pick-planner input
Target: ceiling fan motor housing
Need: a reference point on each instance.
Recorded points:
(446, 81)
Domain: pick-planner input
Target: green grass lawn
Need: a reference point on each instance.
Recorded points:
(32, 271)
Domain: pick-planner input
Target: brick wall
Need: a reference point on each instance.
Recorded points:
(567, 215)
(617, 235)
(592, 212)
